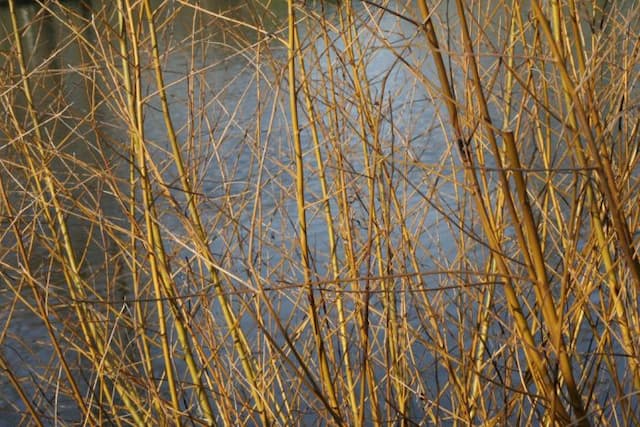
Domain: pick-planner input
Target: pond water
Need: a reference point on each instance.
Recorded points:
(228, 99)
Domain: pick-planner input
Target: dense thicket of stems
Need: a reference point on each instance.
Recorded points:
(351, 213)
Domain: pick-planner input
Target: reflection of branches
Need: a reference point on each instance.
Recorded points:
(393, 12)
(279, 35)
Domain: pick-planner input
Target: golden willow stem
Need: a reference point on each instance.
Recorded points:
(131, 96)
(71, 270)
(347, 233)
(342, 322)
(378, 223)
(183, 336)
(325, 374)
(530, 242)
(605, 181)
(382, 227)
(4, 366)
(364, 119)
(613, 281)
(38, 297)
(537, 364)
(136, 130)
(66, 249)
(239, 339)
(15, 382)
(484, 316)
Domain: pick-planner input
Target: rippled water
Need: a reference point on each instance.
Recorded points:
(227, 101)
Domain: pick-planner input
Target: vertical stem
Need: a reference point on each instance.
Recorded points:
(200, 239)
(537, 364)
(606, 183)
(343, 331)
(325, 375)
(530, 244)
(136, 133)
(93, 336)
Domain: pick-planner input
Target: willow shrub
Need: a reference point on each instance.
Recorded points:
(320, 213)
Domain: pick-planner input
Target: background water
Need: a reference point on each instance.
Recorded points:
(230, 104)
